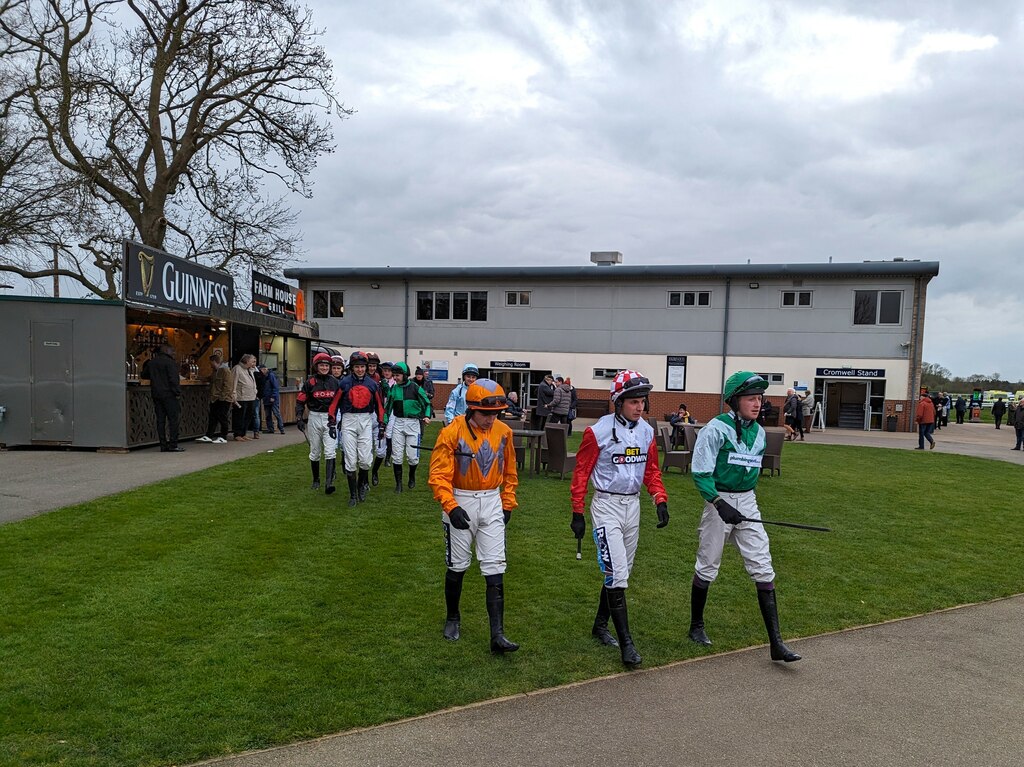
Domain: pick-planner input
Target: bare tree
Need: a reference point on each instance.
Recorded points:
(173, 119)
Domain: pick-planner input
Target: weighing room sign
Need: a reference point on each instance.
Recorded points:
(155, 277)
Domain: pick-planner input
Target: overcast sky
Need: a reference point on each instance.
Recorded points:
(532, 133)
(499, 133)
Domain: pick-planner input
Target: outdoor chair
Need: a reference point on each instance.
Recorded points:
(558, 457)
(519, 443)
(773, 452)
(689, 436)
(679, 459)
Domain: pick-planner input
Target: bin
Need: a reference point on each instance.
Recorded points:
(890, 422)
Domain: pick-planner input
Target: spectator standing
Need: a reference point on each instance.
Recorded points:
(243, 396)
(806, 412)
(220, 401)
(794, 416)
(961, 408)
(925, 417)
(561, 402)
(423, 381)
(542, 408)
(998, 411)
(257, 411)
(947, 402)
(166, 392)
(271, 401)
(573, 401)
(1018, 425)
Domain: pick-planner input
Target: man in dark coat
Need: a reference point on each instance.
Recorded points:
(166, 391)
(998, 411)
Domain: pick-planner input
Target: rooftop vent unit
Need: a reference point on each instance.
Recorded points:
(605, 257)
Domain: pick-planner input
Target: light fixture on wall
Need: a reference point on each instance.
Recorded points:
(375, 285)
(754, 285)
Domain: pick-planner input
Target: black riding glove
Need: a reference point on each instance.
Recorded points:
(729, 514)
(507, 514)
(301, 423)
(662, 509)
(333, 431)
(578, 525)
(459, 518)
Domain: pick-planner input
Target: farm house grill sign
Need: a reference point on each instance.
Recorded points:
(850, 372)
(155, 277)
(270, 296)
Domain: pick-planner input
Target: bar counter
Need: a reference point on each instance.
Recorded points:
(195, 411)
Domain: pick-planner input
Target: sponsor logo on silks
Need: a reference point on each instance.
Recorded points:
(604, 557)
(323, 394)
(630, 455)
(744, 459)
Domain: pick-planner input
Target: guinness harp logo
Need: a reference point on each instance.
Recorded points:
(146, 265)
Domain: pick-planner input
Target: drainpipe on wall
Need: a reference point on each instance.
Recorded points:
(405, 339)
(725, 344)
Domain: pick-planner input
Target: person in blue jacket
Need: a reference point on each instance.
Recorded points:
(457, 399)
(271, 401)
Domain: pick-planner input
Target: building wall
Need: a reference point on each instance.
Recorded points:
(591, 318)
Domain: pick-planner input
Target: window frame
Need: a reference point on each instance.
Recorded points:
(518, 302)
(796, 294)
(327, 295)
(878, 301)
(470, 303)
(689, 299)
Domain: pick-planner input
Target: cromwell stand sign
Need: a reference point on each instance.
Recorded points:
(155, 277)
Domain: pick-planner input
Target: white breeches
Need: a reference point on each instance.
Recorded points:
(404, 438)
(380, 446)
(616, 523)
(486, 526)
(357, 440)
(318, 437)
(750, 539)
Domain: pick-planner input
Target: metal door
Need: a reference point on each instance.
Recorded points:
(53, 412)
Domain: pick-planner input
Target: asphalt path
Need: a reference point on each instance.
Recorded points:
(931, 691)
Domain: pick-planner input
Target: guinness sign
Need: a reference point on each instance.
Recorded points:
(154, 277)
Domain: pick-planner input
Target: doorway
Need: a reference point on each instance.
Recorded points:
(846, 404)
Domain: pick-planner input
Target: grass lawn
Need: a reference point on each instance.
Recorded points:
(235, 609)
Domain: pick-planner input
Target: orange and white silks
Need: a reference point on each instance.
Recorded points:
(492, 465)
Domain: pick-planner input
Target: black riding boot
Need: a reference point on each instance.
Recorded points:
(620, 617)
(375, 478)
(452, 595)
(770, 613)
(364, 483)
(353, 488)
(330, 477)
(315, 466)
(600, 630)
(698, 598)
(412, 476)
(397, 468)
(496, 614)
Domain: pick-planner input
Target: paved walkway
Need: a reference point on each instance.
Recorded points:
(34, 481)
(936, 690)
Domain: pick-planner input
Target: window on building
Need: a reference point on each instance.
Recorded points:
(606, 372)
(446, 305)
(796, 298)
(517, 298)
(877, 307)
(689, 298)
(773, 378)
(329, 304)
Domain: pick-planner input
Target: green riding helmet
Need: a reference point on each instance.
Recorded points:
(744, 382)
(400, 367)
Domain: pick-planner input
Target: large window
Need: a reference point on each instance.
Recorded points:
(447, 305)
(329, 303)
(689, 298)
(796, 299)
(877, 307)
(517, 298)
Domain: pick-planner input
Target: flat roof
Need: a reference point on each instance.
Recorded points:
(649, 272)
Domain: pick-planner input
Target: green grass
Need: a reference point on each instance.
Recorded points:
(235, 609)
